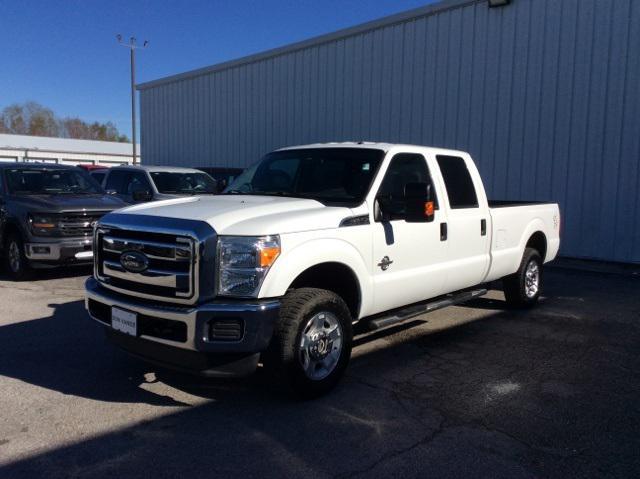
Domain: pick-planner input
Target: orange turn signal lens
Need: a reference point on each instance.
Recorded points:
(429, 208)
(268, 256)
(44, 225)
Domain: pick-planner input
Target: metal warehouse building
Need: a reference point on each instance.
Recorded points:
(545, 94)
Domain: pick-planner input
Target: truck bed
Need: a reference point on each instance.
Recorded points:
(508, 204)
(513, 223)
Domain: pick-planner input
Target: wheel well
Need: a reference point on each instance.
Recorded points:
(538, 241)
(9, 228)
(335, 277)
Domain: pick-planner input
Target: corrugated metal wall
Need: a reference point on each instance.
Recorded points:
(545, 94)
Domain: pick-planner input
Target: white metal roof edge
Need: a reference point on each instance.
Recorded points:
(397, 18)
(63, 145)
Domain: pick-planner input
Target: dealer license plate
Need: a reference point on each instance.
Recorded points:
(124, 321)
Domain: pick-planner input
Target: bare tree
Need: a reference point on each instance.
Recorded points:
(34, 119)
(41, 120)
(13, 119)
(74, 128)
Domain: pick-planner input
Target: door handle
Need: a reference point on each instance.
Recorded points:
(483, 227)
(443, 231)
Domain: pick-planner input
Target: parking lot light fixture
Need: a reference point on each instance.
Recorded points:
(132, 46)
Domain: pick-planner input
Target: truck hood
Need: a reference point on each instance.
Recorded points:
(64, 203)
(247, 214)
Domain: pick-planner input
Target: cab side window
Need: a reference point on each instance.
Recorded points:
(404, 168)
(457, 180)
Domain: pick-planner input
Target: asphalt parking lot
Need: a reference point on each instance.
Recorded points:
(475, 391)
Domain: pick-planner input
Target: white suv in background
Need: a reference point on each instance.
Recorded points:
(139, 184)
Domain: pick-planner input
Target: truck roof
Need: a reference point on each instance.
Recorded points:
(368, 144)
(34, 166)
(152, 168)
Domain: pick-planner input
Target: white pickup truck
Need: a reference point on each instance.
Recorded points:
(302, 246)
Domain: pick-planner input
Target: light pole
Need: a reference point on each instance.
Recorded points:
(132, 46)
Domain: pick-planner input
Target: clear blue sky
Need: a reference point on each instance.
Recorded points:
(64, 54)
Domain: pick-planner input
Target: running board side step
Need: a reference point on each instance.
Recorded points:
(400, 315)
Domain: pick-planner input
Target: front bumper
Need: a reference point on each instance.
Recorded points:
(185, 338)
(62, 251)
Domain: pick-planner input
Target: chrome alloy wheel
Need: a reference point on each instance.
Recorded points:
(14, 257)
(532, 279)
(320, 345)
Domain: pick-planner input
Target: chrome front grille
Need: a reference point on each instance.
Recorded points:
(169, 272)
(78, 224)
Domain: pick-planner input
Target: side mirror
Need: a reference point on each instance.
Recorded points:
(419, 204)
(378, 214)
(141, 195)
(112, 192)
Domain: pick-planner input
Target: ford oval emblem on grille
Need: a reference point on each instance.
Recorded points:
(134, 262)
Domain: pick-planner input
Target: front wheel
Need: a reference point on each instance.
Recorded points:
(16, 262)
(522, 289)
(311, 346)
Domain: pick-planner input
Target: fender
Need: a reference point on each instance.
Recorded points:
(312, 253)
(533, 227)
(10, 222)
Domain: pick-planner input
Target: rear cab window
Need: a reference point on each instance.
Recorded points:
(458, 182)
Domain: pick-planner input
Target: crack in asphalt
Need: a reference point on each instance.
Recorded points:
(421, 442)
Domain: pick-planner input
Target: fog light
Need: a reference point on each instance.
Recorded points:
(226, 329)
(41, 250)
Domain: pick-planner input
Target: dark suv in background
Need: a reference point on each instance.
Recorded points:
(47, 213)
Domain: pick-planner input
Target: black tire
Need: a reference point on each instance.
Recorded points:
(285, 355)
(16, 263)
(518, 288)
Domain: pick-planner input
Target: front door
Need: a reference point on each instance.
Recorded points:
(409, 259)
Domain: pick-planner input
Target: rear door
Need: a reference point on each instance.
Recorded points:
(409, 260)
(466, 226)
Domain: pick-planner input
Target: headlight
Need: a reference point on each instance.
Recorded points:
(43, 225)
(243, 262)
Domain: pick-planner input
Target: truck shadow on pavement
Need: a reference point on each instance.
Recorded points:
(45, 274)
(67, 352)
(505, 394)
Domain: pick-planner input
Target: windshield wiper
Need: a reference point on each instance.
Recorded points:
(68, 192)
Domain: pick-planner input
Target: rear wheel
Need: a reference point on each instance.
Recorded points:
(522, 289)
(311, 346)
(16, 262)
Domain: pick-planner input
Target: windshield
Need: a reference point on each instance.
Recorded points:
(184, 183)
(330, 175)
(44, 181)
